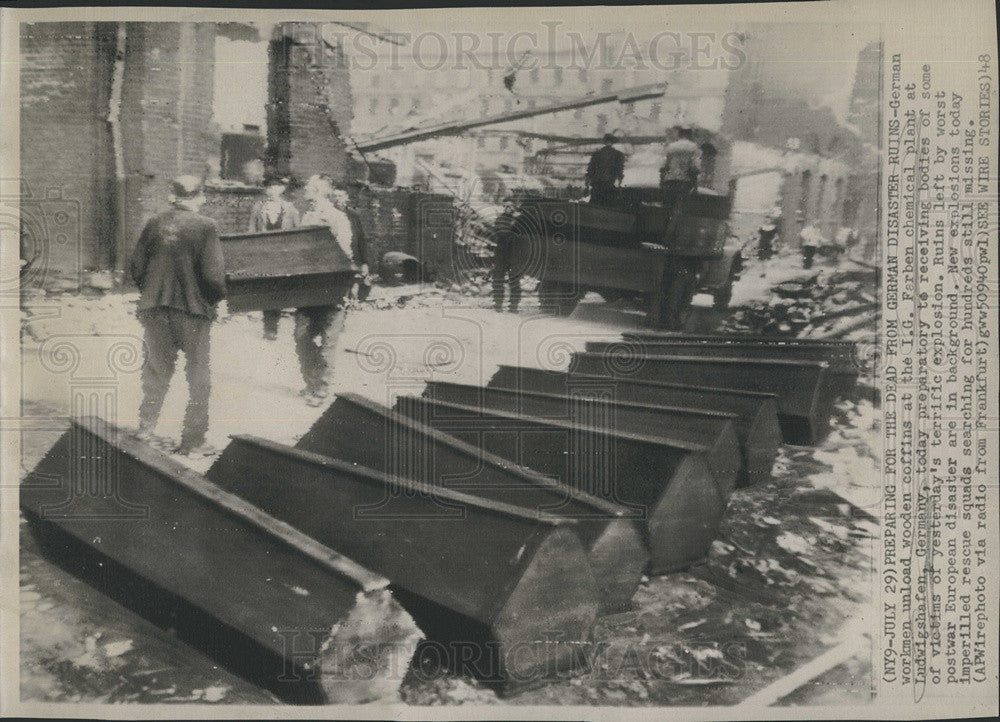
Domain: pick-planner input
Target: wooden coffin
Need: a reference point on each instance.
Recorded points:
(756, 419)
(361, 431)
(489, 582)
(294, 268)
(804, 401)
(260, 597)
(713, 430)
(669, 483)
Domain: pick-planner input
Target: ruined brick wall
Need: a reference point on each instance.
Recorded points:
(398, 219)
(394, 219)
(66, 160)
(231, 206)
(166, 110)
(67, 153)
(309, 106)
(815, 191)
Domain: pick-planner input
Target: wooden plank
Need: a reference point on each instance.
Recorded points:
(360, 431)
(713, 430)
(856, 643)
(669, 483)
(474, 573)
(804, 404)
(756, 414)
(185, 553)
(625, 95)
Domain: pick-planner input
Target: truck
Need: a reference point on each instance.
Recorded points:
(636, 249)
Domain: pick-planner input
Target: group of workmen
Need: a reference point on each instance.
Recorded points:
(328, 206)
(678, 174)
(178, 266)
(179, 269)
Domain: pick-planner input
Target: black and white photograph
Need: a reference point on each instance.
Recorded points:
(589, 362)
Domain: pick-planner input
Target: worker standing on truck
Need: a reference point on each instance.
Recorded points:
(605, 172)
(324, 322)
(274, 213)
(178, 266)
(681, 168)
(508, 258)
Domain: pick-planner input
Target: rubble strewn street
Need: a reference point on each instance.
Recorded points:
(821, 304)
(533, 384)
(789, 569)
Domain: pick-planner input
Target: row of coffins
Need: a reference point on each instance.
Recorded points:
(501, 519)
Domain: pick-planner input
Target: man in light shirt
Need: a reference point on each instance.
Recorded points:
(681, 168)
(327, 207)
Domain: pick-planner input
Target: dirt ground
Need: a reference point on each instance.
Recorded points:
(789, 577)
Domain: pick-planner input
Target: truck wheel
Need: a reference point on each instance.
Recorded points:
(676, 308)
(568, 304)
(557, 299)
(722, 296)
(547, 303)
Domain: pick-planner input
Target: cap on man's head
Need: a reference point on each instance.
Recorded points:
(610, 138)
(185, 186)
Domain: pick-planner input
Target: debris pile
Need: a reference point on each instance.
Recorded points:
(821, 305)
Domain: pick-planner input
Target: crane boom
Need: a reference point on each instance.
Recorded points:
(413, 135)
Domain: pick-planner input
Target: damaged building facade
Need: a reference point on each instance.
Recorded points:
(110, 113)
(826, 163)
(139, 99)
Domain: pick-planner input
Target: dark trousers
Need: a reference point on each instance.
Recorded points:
(271, 321)
(326, 323)
(603, 193)
(507, 267)
(674, 192)
(167, 331)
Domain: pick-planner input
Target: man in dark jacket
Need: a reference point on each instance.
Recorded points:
(178, 267)
(605, 170)
(359, 243)
(508, 258)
